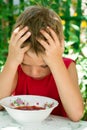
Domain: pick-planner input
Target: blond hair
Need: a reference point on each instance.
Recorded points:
(37, 18)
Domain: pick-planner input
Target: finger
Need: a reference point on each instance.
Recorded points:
(47, 36)
(43, 43)
(53, 34)
(14, 33)
(23, 39)
(18, 34)
(21, 33)
(16, 30)
(25, 49)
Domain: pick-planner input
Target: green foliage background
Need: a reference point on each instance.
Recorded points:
(73, 27)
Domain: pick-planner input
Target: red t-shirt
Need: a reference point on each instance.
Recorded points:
(44, 87)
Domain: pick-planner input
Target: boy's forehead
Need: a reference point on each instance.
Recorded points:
(31, 57)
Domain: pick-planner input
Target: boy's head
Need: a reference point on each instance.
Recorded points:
(37, 18)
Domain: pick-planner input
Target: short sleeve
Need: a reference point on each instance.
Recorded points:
(68, 61)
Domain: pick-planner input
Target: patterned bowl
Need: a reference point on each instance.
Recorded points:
(28, 108)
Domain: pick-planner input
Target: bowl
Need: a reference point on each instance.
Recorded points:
(28, 108)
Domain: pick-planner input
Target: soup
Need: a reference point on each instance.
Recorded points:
(29, 108)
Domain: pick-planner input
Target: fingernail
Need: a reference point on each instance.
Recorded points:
(16, 30)
(48, 27)
(26, 27)
(29, 33)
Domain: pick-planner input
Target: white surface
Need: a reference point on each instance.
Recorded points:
(10, 128)
(27, 116)
(51, 123)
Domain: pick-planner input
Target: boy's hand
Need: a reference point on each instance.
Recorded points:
(16, 53)
(53, 47)
(9, 75)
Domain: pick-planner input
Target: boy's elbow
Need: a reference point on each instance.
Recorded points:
(78, 115)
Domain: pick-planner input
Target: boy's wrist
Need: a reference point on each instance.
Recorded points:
(11, 64)
(57, 63)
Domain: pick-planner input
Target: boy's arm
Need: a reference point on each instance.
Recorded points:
(8, 77)
(8, 80)
(66, 80)
(68, 89)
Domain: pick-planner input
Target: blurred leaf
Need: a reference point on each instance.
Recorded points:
(75, 27)
(73, 37)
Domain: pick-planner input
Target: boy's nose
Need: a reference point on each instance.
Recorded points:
(35, 73)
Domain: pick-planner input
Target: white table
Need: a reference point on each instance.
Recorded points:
(51, 123)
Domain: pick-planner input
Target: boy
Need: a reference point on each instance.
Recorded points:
(35, 64)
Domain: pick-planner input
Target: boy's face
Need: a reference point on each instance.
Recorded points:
(34, 66)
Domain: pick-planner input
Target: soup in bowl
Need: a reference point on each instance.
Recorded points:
(28, 108)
